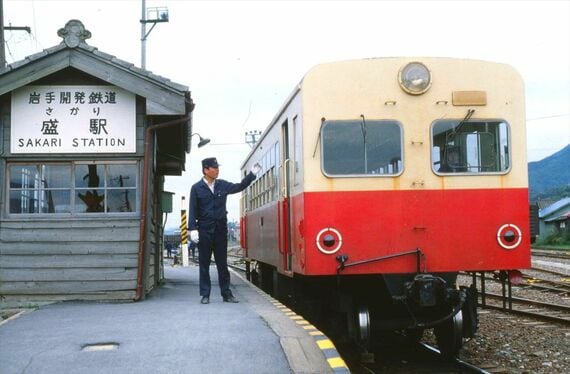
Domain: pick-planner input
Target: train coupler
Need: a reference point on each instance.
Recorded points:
(427, 290)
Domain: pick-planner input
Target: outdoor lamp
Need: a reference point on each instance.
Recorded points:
(203, 141)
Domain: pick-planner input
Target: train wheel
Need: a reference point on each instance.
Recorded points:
(266, 279)
(248, 270)
(449, 336)
(360, 328)
(255, 275)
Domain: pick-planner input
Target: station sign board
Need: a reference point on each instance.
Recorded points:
(73, 119)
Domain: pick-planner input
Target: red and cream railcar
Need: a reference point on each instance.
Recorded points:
(388, 176)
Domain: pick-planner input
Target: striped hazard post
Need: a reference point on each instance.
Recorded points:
(184, 233)
(183, 227)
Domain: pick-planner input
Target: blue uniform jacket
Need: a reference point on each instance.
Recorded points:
(208, 210)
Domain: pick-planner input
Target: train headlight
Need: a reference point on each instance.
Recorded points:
(509, 236)
(329, 240)
(414, 78)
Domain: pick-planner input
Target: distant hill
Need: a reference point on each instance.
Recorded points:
(550, 177)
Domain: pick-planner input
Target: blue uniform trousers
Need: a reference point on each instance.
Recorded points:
(218, 244)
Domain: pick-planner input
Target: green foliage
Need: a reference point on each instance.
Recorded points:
(555, 239)
(550, 178)
(553, 194)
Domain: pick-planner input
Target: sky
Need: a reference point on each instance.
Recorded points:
(241, 59)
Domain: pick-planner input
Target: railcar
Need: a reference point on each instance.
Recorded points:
(383, 179)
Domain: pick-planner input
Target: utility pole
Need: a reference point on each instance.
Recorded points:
(2, 52)
(155, 15)
(143, 35)
(251, 137)
(2, 28)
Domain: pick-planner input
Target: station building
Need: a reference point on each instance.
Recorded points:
(86, 141)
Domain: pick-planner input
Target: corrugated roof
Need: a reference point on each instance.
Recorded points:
(544, 203)
(562, 217)
(543, 213)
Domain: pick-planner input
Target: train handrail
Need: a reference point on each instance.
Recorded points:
(343, 258)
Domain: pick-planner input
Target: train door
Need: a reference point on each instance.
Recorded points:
(284, 198)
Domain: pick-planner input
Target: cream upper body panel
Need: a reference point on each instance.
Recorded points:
(350, 89)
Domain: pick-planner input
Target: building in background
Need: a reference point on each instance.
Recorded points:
(555, 218)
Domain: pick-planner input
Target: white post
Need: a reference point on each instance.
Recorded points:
(143, 35)
(184, 233)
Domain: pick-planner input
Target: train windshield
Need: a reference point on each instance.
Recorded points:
(474, 146)
(361, 147)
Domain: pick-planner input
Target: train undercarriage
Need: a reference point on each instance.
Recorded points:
(369, 308)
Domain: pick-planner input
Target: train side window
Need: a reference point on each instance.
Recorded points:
(470, 147)
(361, 148)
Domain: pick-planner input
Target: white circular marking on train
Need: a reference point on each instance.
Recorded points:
(333, 250)
(500, 234)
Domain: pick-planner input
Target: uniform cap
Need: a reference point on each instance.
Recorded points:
(210, 162)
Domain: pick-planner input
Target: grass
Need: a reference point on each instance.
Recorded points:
(552, 247)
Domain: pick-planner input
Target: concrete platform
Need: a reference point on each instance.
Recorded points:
(169, 332)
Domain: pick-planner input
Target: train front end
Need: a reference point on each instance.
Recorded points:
(413, 170)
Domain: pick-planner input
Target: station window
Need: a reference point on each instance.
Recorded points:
(73, 188)
(475, 146)
(361, 148)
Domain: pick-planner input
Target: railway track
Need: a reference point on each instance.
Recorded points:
(236, 261)
(541, 311)
(565, 255)
(402, 358)
(532, 299)
(535, 304)
(547, 285)
(462, 365)
(420, 358)
(550, 271)
(532, 282)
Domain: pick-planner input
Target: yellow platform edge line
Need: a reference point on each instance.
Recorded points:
(336, 362)
(325, 344)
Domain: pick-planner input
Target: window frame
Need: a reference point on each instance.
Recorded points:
(375, 120)
(73, 189)
(498, 121)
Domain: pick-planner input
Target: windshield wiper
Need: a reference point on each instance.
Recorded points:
(465, 119)
(363, 128)
(319, 136)
(444, 162)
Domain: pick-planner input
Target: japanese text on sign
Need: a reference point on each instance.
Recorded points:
(73, 119)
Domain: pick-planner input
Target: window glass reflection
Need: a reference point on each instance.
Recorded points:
(72, 188)
(470, 146)
(56, 176)
(90, 201)
(24, 176)
(120, 200)
(121, 175)
(89, 175)
(56, 201)
(359, 147)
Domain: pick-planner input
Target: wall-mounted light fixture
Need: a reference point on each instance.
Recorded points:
(203, 141)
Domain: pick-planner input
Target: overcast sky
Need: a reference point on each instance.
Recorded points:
(241, 59)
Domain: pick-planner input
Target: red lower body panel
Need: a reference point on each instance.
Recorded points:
(454, 230)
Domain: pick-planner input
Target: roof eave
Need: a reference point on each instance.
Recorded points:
(163, 96)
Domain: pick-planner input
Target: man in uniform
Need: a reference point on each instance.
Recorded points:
(208, 224)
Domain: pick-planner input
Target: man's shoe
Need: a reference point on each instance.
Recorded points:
(205, 300)
(230, 299)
